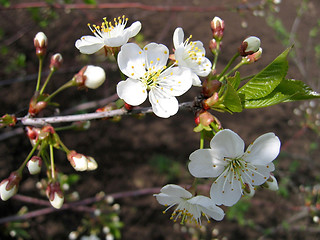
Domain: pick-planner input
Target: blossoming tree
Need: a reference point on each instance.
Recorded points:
(152, 72)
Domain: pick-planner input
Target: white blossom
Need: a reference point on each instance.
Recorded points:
(147, 71)
(191, 55)
(190, 208)
(231, 167)
(94, 76)
(109, 34)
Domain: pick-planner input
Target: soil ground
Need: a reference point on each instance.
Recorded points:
(129, 152)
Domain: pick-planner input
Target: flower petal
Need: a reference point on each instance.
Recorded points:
(175, 191)
(196, 80)
(89, 44)
(204, 68)
(208, 206)
(204, 164)
(131, 60)
(178, 37)
(167, 200)
(227, 143)
(163, 107)
(258, 174)
(174, 81)
(226, 190)
(156, 56)
(263, 150)
(133, 30)
(132, 91)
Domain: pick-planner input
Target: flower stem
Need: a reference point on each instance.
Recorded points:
(28, 157)
(228, 65)
(201, 139)
(47, 80)
(39, 73)
(63, 87)
(52, 161)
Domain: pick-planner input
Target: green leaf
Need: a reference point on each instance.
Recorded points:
(231, 99)
(267, 80)
(235, 80)
(288, 90)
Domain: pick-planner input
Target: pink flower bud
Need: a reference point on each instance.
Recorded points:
(209, 87)
(249, 46)
(34, 165)
(9, 186)
(33, 134)
(55, 195)
(217, 27)
(90, 77)
(56, 61)
(209, 102)
(206, 118)
(40, 42)
(8, 120)
(78, 161)
(213, 45)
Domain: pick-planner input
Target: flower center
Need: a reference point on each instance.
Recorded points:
(150, 78)
(192, 52)
(109, 28)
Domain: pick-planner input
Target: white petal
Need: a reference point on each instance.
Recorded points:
(227, 143)
(134, 29)
(178, 37)
(131, 60)
(196, 80)
(163, 107)
(204, 68)
(57, 201)
(204, 164)
(132, 91)
(6, 194)
(224, 192)
(175, 81)
(156, 56)
(260, 173)
(263, 150)
(176, 191)
(167, 200)
(208, 206)
(89, 44)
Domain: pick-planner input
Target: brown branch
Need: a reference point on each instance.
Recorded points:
(74, 205)
(137, 5)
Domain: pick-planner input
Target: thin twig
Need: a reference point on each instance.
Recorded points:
(73, 205)
(90, 116)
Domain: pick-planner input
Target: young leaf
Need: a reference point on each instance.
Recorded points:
(288, 90)
(267, 80)
(235, 80)
(231, 99)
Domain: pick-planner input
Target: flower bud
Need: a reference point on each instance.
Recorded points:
(33, 134)
(249, 46)
(213, 45)
(78, 161)
(55, 195)
(253, 57)
(92, 164)
(8, 120)
(90, 77)
(271, 183)
(206, 118)
(209, 87)
(56, 61)
(34, 165)
(209, 102)
(217, 27)
(9, 186)
(40, 42)
(36, 107)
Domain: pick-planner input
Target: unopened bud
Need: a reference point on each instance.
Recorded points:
(217, 27)
(92, 164)
(81, 125)
(206, 118)
(90, 77)
(253, 57)
(209, 102)
(55, 195)
(128, 106)
(271, 183)
(213, 45)
(33, 134)
(78, 161)
(34, 165)
(46, 131)
(8, 120)
(56, 61)
(249, 46)
(9, 186)
(40, 42)
(36, 107)
(209, 87)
